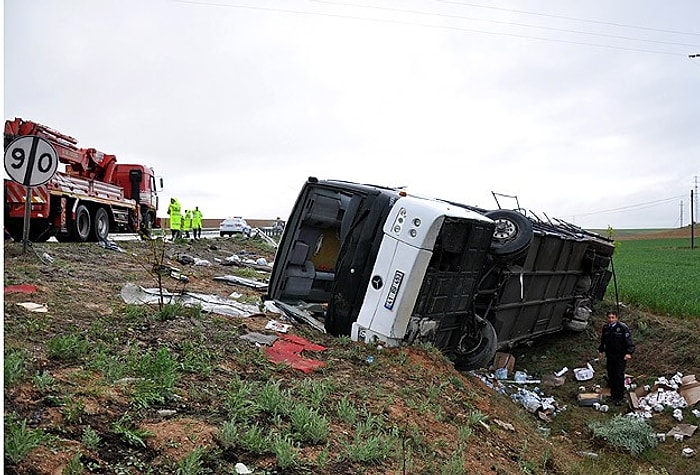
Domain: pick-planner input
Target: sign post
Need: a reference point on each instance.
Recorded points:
(30, 161)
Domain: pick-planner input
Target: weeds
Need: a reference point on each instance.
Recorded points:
(315, 391)
(14, 366)
(347, 412)
(19, 440)
(74, 466)
(192, 463)
(44, 382)
(129, 434)
(308, 425)
(90, 438)
(196, 358)
(158, 373)
(73, 410)
(455, 465)
(238, 400)
(68, 348)
(273, 400)
(228, 434)
(254, 440)
(285, 451)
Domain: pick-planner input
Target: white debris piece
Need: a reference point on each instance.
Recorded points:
(277, 326)
(658, 400)
(242, 469)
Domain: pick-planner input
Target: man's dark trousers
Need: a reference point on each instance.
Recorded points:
(616, 376)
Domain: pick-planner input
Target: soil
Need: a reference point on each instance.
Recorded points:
(80, 285)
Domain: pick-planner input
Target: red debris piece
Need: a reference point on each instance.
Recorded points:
(20, 289)
(288, 348)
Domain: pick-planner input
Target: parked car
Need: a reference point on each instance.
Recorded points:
(235, 225)
(392, 268)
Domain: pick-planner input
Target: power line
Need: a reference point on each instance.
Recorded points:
(562, 17)
(499, 22)
(638, 206)
(424, 25)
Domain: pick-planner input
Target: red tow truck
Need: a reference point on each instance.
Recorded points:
(94, 196)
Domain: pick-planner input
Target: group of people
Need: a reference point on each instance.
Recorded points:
(182, 225)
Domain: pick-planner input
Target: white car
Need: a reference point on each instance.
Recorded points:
(236, 225)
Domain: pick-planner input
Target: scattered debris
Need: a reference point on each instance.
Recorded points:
(235, 280)
(241, 469)
(166, 270)
(688, 452)
(505, 425)
(110, 245)
(288, 348)
(690, 390)
(584, 374)
(681, 431)
(300, 314)
(503, 364)
(589, 455)
(260, 263)
(201, 262)
(553, 381)
(137, 295)
(259, 338)
(20, 289)
(589, 399)
(664, 394)
(185, 259)
(561, 372)
(277, 326)
(34, 307)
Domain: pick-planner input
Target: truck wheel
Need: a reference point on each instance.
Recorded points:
(512, 235)
(100, 225)
(82, 224)
(473, 353)
(149, 221)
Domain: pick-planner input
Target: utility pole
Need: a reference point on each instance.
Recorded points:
(692, 222)
(681, 226)
(696, 201)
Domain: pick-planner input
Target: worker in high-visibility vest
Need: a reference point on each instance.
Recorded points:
(175, 218)
(197, 223)
(187, 223)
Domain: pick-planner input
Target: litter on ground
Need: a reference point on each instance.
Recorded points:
(235, 280)
(34, 307)
(287, 349)
(137, 295)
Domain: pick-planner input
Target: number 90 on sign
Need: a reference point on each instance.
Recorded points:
(31, 161)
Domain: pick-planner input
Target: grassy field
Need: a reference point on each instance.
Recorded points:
(660, 275)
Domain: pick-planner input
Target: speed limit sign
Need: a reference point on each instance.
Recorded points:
(31, 160)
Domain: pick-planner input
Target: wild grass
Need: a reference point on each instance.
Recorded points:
(19, 440)
(660, 275)
(14, 366)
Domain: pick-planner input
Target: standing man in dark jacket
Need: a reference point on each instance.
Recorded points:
(616, 342)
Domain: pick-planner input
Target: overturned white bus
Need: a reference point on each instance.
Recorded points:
(384, 266)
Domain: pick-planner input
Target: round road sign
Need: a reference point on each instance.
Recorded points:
(31, 160)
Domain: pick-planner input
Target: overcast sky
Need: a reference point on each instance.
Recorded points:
(586, 111)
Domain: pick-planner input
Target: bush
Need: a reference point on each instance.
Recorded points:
(630, 433)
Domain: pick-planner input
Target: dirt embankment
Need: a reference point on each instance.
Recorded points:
(438, 420)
